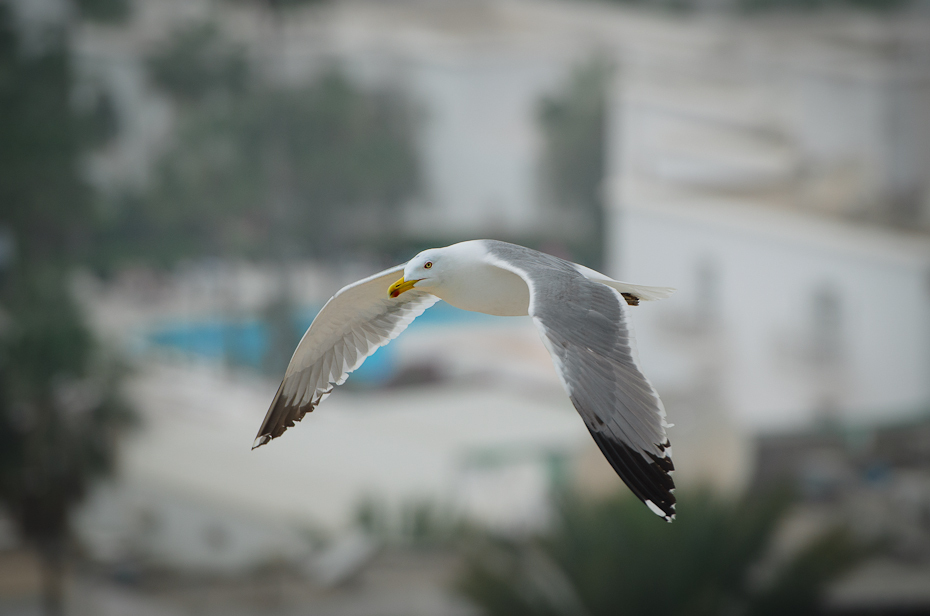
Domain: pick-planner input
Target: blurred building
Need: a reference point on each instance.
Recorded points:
(873, 477)
(778, 173)
(475, 72)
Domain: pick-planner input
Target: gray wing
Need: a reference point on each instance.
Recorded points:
(585, 326)
(352, 325)
(587, 333)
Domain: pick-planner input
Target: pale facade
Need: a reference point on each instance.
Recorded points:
(777, 174)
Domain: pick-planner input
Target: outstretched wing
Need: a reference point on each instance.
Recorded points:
(585, 326)
(352, 325)
(589, 339)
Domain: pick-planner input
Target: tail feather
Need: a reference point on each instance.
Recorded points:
(634, 293)
(640, 292)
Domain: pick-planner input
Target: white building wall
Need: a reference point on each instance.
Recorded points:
(755, 281)
(480, 141)
(477, 75)
(757, 167)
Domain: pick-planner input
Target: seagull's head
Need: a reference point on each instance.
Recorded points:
(424, 271)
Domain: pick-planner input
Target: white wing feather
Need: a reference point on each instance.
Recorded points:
(353, 324)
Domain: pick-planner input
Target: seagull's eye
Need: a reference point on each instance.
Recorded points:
(428, 265)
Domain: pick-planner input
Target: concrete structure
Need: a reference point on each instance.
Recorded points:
(776, 172)
(826, 114)
(792, 318)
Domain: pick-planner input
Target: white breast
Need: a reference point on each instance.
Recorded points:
(481, 287)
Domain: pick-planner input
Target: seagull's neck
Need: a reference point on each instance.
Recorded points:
(475, 284)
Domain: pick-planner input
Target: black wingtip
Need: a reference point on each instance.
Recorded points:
(260, 440)
(668, 517)
(648, 478)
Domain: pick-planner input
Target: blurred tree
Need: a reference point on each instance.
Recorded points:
(573, 124)
(263, 171)
(105, 11)
(615, 557)
(58, 411)
(42, 199)
(59, 416)
(197, 62)
(416, 523)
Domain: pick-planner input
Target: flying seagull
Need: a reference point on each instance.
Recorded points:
(581, 316)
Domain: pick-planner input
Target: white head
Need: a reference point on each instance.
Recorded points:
(425, 271)
(462, 275)
(440, 269)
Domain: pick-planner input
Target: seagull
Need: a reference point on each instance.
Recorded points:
(580, 314)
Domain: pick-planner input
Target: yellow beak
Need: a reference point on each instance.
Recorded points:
(401, 286)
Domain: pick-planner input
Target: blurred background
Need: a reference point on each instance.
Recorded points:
(184, 183)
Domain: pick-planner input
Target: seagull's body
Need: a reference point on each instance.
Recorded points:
(581, 316)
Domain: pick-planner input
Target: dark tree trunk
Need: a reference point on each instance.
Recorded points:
(52, 553)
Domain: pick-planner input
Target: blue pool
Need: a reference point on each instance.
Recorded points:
(247, 342)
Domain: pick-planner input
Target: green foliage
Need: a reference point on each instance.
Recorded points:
(44, 335)
(105, 11)
(796, 587)
(270, 172)
(97, 121)
(197, 62)
(573, 124)
(42, 200)
(59, 414)
(615, 557)
(416, 523)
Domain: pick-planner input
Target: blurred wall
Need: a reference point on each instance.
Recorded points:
(777, 172)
